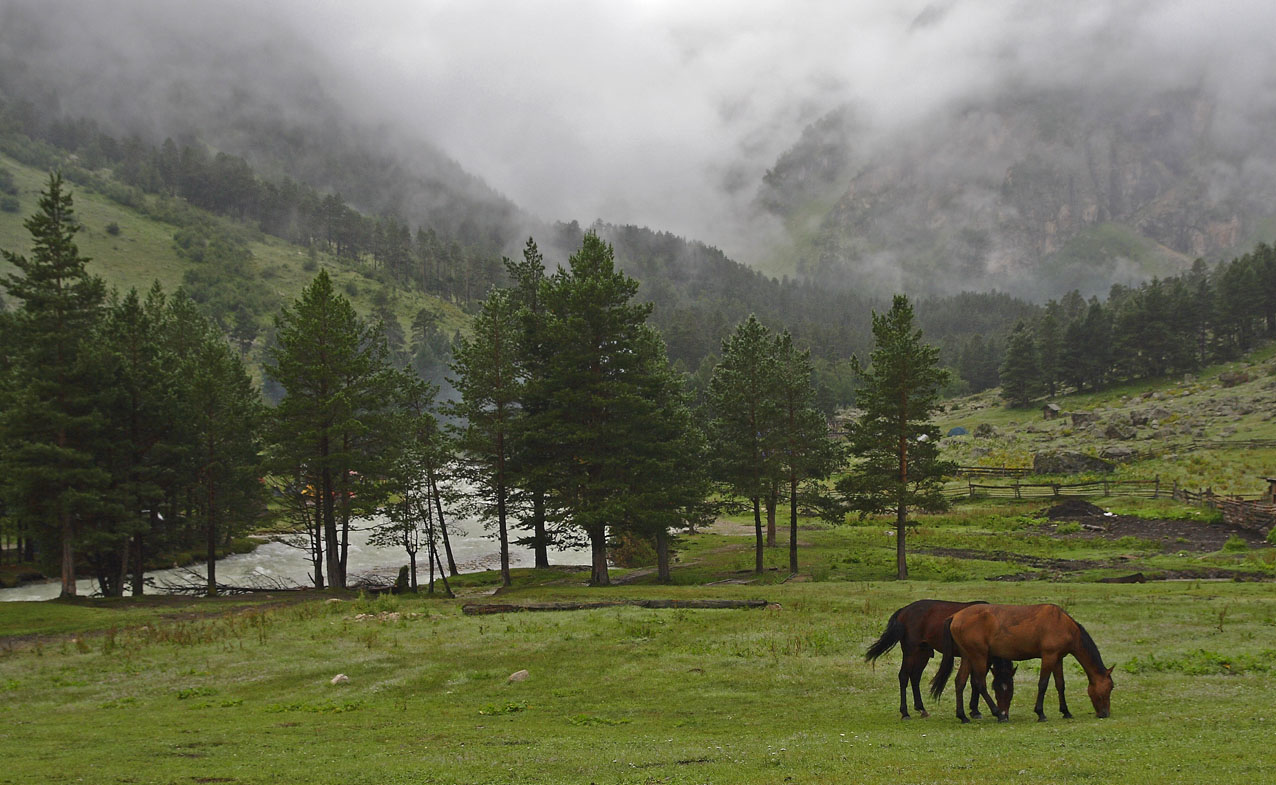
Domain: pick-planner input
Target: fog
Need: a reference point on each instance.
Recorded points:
(664, 114)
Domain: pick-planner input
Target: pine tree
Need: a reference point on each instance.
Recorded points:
(1020, 372)
(806, 452)
(54, 420)
(745, 417)
(604, 413)
(334, 372)
(896, 443)
(487, 377)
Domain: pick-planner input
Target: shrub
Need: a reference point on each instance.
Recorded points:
(1235, 544)
(9, 204)
(113, 229)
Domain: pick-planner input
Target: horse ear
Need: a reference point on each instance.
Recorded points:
(1111, 669)
(1014, 669)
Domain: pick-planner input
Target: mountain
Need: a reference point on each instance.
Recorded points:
(1034, 191)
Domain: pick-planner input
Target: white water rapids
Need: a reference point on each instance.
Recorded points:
(276, 561)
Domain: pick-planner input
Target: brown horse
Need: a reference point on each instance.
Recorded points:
(1021, 632)
(919, 629)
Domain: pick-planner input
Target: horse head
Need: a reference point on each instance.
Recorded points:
(1003, 684)
(1100, 691)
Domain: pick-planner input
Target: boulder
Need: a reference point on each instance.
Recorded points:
(1084, 418)
(518, 676)
(1118, 454)
(1233, 378)
(985, 430)
(1066, 462)
(340, 678)
(1119, 432)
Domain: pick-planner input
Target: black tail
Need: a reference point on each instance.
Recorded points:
(946, 665)
(894, 634)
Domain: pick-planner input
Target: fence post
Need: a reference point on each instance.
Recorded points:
(1054, 486)
(1156, 489)
(1106, 491)
(1017, 496)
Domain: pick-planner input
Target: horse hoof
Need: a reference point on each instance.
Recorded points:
(905, 717)
(964, 721)
(1067, 716)
(1041, 718)
(1003, 718)
(974, 715)
(925, 714)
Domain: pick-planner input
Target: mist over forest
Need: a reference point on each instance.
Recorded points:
(928, 147)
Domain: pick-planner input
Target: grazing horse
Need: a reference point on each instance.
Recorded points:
(919, 630)
(1021, 632)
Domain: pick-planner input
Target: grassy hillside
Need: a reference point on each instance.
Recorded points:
(143, 251)
(1173, 428)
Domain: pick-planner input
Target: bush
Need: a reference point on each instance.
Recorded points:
(1235, 544)
(113, 229)
(9, 204)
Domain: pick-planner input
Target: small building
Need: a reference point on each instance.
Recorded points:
(1271, 490)
(1051, 411)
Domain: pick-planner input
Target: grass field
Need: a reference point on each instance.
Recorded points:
(239, 690)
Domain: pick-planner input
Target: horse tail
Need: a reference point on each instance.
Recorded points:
(946, 665)
(893, 634)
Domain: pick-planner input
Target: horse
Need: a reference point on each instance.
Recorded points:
(1021, 632)
(919, 629)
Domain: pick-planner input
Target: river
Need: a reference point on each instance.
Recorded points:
(278, 562)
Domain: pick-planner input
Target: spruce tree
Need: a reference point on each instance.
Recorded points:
(894, 440)
(745, 418)
(487, 377)
(54, 420)
(1020, 371)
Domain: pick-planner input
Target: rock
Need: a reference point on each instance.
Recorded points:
(518, 676)
(340, 678)
(1119, 432)
(1066, 462)
(1118, 454)
(1084, 418)
(985, 430)
(1159, 413)
(1139, 418)
(1233, 378)
(331, 600)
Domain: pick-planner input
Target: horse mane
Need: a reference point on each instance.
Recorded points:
(1091, 650)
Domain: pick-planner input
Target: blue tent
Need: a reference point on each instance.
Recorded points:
(958, 431)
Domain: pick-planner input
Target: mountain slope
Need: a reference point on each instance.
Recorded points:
(1034, 192)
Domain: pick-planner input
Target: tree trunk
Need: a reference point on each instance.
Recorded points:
(598, 545)
(541, 544)
(68, 555)
(662, 556)
(331, 555)
(500, 509)
(901, 563)
(771, 501)
(447, 543)
(412, 570)
(211, 532)
(139, 569)
(793, 486)
(757, 527)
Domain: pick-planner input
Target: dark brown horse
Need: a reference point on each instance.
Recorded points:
(1021, 632)
(919, 630)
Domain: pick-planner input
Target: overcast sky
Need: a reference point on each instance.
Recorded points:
(667, 113)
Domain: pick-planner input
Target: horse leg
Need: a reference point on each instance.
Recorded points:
(978, 672)
(962, 673)
(919, 665)
(903, 688)
(974, 700)
(1058, 685)
(1048, 664)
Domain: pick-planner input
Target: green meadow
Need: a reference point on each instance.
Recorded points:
(177, 690)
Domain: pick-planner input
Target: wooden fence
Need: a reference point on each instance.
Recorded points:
(1249, 444)
(991, 471)
(1256, 512)
(1052, 490)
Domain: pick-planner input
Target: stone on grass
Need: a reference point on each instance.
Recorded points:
(519, 676)
(340, 678)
